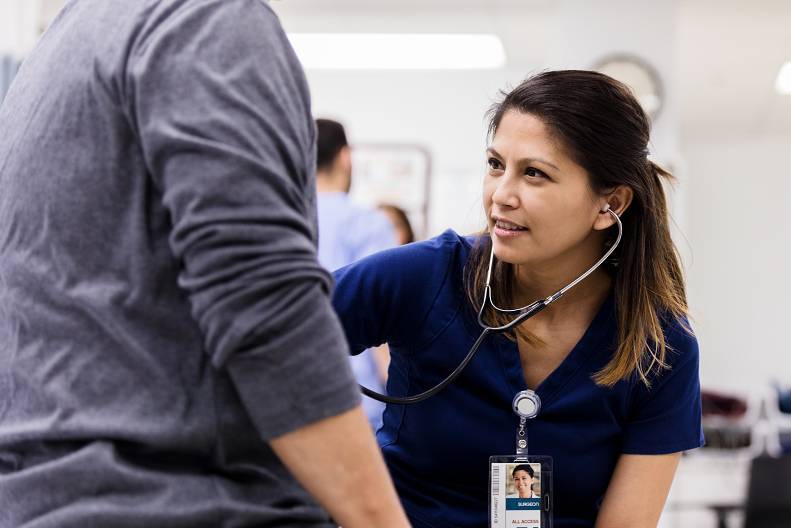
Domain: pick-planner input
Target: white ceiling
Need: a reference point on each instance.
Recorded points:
(727, 52)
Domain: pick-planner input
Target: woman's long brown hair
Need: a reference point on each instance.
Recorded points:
(603, 127)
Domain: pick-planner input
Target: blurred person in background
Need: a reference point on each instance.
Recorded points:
(400, 221)
(168, 353)
(347, 233)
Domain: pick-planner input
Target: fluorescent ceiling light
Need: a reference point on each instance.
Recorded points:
(398, 51)
(783, 82)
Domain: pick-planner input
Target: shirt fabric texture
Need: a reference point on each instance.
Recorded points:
(347, 233)
(438, 450)
(162, 310)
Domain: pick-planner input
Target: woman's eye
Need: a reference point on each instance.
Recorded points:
(494, 164)
(534, 173)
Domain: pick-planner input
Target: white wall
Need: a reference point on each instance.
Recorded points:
(444, 110)
(739, 282)
(441, 110)
(18, 26)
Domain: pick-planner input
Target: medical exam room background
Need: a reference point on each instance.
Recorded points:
(724, 129)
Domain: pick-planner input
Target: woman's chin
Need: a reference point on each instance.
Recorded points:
(509, 254)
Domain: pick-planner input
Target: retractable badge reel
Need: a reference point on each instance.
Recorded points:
(521, 484)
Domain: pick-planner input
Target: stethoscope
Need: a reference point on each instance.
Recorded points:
(526, 403)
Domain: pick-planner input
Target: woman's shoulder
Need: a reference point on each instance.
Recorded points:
(425, 260)
(681, 360)
(665, 413)
(680, 340)
(419, 271)
(406, 286)
(449, 242)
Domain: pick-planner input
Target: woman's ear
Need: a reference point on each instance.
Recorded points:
(616, 201)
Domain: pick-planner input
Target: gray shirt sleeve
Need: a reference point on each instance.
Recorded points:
(221, 109)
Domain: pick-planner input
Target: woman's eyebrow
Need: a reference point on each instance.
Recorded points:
(524, 160)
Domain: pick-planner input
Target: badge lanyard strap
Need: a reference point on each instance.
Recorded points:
(526, 405)
(521, 437)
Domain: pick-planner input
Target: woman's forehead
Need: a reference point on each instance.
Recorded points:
(525, 136)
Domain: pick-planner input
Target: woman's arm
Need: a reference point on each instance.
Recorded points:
(637, 491)
(664, 420)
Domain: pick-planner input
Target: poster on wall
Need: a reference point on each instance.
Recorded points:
(393, 174)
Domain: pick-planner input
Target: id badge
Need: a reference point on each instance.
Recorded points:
(520, 491)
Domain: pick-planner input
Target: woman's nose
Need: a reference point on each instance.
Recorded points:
(505, 194)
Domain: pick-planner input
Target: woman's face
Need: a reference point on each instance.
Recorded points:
(538, 201)
(522, 482)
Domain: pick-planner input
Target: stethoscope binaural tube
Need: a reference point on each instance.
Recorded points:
(522, 314)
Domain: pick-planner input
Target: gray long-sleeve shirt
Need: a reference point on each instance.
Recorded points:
(162, 312)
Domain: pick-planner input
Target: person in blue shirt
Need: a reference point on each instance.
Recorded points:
(349, 232)
(614, 361)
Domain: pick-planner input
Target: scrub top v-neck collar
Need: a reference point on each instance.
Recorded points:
(583, 351)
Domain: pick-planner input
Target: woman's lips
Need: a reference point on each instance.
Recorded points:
(505, 229)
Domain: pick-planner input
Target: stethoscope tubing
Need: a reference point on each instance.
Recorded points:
(524, 313)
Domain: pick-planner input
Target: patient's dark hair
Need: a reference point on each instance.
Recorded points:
(330, 139)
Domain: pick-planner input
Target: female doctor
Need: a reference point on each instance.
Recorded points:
(613, 361)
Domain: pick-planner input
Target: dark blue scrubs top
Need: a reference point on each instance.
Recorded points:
(412, 297)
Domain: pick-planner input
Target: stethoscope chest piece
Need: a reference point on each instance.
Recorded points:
(527, 404)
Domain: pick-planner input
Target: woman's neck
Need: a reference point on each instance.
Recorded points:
(583, 300)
